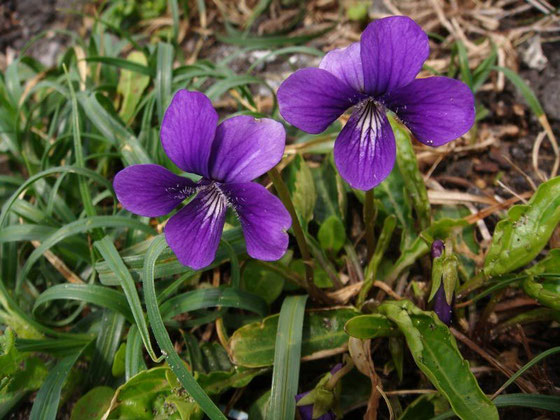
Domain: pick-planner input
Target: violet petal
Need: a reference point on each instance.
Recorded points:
(436, 109)
(443, 310)
(194, 232)
(365, 151)
(263, 217)
(245, 148)
(151, 190)
(346, 64)
(393, 50)
(312, 99)
(187, 131)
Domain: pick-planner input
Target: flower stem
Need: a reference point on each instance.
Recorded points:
(284, 195)
(370, 214)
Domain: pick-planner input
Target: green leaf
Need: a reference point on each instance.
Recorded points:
(547, 296)
(331, 197)
(253, 345)
(131, 86)
(301, 187)
(20, 372)
(549, 264)
(370, 326)
(287, 352)
(119, 361)
(411, 175)
(332, 234)
(260, 280)
(218, 382)
(93, 404)
(522, 235)
(136, 398)
(436, 354)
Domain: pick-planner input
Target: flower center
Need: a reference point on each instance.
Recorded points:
(369, 118)
(213, 198)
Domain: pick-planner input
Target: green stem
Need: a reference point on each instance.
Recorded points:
(284, 195)
(369, 221)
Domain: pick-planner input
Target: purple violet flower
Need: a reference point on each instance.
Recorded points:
(227, 156)
(375, 75)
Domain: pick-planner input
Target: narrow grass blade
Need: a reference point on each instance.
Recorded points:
(107, 249)
(123, 64)
(27, 232)
(207, 298)
(48, 172)
(285, 374)
(536, 401)
(162, 337)
(528, 365)
(133, 361)
(90, 293)
(525, 90)
(113, 130)
(164, 75)
(106, 345)
(74, 228)
(46, 402)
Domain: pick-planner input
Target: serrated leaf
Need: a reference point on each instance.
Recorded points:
(522, 235)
